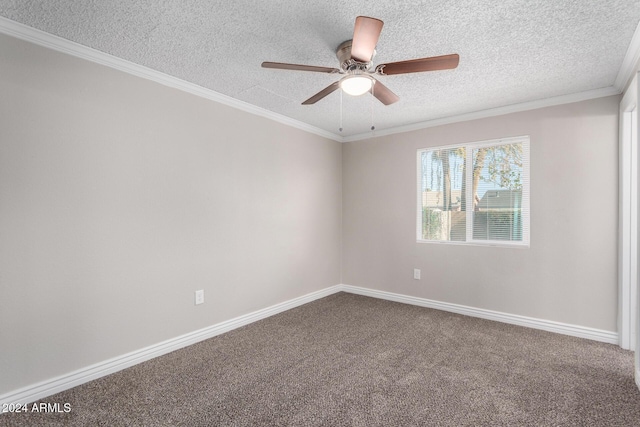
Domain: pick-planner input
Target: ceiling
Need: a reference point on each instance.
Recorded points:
(511, 51)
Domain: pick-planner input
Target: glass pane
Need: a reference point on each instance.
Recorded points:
(443, 194)
(497, 192)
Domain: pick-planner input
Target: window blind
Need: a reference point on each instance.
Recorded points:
(475, 193)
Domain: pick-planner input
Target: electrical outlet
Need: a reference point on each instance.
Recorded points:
(416, 274)
(200, 297)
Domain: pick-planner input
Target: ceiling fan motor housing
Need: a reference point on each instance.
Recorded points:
(350, 65)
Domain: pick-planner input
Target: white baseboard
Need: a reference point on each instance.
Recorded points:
(64, 382)
(514, 319)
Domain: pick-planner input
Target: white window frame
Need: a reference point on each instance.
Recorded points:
(526, 193)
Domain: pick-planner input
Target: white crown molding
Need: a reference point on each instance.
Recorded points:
(514, 319)
(627, 70)
(499, 111)
(60, 44)
(628, 67)
(64, 382)
(26, 33)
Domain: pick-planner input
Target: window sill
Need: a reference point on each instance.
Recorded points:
(490, 243)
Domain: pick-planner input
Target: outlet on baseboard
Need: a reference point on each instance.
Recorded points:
(416, 274)
(200, 297)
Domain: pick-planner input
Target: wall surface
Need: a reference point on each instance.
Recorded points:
(120, 197)
(569, 272)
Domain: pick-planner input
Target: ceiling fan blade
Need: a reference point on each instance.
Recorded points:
(383, 93)
(444, 62)
(297, 67)
(324, 92)
(365, 38)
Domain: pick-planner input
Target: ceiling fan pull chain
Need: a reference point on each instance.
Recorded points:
(373, 88)
(340, 111)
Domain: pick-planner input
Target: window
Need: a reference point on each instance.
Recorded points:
(475, 193)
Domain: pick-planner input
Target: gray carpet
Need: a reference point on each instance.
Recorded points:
(349, 360)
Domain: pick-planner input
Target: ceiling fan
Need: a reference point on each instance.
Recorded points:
(356, 64)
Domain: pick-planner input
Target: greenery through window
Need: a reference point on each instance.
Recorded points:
(475, 193)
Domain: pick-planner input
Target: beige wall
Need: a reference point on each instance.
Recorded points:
(120, 197)
(568, 274)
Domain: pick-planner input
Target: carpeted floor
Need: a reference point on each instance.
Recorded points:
(349, 360)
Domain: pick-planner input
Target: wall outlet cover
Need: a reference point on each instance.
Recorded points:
(200, 296)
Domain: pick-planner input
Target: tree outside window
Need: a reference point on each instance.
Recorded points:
(492, 209)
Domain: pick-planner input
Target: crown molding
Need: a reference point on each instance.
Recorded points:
(24, 32)
(499, 111)
(626, 72)
(628, 67)
(41, 38)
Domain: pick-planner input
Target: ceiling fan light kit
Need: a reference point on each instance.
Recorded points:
(356, 85)
(356, 60)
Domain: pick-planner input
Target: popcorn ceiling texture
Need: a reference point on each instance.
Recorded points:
(511, 51)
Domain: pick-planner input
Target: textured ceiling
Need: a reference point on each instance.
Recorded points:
(511, 51)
